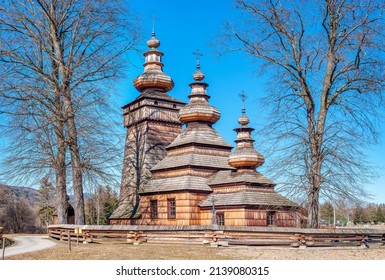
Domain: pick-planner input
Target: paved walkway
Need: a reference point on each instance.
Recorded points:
(26, 244)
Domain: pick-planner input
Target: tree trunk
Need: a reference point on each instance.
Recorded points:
(61, 184)
(69, 114)
(315, 183)
(313, 208)
(77, 175)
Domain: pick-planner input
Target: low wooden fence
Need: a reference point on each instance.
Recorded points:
(222, 235)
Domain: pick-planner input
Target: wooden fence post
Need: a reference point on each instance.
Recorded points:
(69, 242)
(3, 250)
(364, 244)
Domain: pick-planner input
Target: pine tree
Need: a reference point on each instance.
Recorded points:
(101, 205)
(327, 212)
(359, 216)
(380, 217)
(46, 207)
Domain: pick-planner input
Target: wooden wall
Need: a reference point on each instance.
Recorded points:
(189, 213)
(282, 218)
(252, 217)
(187, 209)
(233, 216)
(70, 216)
(147, 142)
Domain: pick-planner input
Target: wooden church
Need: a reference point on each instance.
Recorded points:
(178, 170)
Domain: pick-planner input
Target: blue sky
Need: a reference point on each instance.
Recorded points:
(184, 26)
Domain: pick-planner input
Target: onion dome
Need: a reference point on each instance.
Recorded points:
(245, 156)
(153, 76)
(199, 109)
(153, 42)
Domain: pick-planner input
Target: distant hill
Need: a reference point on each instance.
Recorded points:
(30, 195)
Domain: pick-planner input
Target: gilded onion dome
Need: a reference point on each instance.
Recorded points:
(153, 76)
(199, 109)
(245, 156)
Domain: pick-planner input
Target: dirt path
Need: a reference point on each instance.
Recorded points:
(26, 244)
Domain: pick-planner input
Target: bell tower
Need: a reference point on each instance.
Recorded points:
(152, 124)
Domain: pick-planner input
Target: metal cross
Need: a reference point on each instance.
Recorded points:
(197, 55)
(153, 24)
(243, 97)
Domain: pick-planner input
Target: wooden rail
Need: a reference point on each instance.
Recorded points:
(223, 236)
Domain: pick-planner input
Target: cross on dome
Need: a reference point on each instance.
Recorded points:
(243, 97)
(153, 24)
(197, 55)
(198, 75)
(243, 119)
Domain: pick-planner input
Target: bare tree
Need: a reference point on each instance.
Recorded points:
(57, 60)
(36, 132)
(16, 216)
(327, 63)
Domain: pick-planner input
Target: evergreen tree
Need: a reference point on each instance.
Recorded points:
(46, 207)
(101, 205)
(359, 216)
(380, 217)
(327, 212)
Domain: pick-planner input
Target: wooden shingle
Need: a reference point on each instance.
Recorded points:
(249, 198)
(177, 184)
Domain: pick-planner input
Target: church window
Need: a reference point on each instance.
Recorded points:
(221, 219)
(171, 208)
(270, 218)
(153, 209)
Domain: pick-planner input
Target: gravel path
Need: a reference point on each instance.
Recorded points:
(26, 244)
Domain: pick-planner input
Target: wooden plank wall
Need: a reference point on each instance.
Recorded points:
(187, 210)
(251, 217)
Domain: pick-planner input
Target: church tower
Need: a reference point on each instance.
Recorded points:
(152, 124)
(179, 181)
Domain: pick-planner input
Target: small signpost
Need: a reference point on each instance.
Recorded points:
(78, 231)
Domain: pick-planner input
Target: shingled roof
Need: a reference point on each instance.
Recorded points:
(204, 135)
(248, 197)
(198, 160)
(156, 94)
(233, 177)
(176, 184)
(124, 211)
